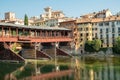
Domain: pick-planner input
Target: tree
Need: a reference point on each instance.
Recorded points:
(97, 44)
(89, 46)
(25, 19)
(116, 46)
(93, 46)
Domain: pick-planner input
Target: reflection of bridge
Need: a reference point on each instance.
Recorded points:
(53, 75)
(22, 33)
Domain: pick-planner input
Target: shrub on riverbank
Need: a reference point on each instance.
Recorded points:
(116, 47)
(93, 46)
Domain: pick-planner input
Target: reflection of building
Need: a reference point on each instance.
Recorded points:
(105, 71)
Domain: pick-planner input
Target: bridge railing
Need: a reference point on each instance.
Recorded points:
(24, 38)
(34, 38)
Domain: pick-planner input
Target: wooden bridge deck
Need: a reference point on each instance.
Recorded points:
(57, 74)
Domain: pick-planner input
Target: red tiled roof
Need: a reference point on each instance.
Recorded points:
(86, 20)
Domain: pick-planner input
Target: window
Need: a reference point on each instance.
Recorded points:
(118, 22)
(81, 34)
(100, 30)
(101, 36)
(113, 24)
(80, 29)
(87, 34)
(0, 29)
(119, 30)
(106, 23)
(107, 42)
(95, 28)
(81, 45)
(100, 24)
(101, 45)
(86, 29)
(113, 30)
(113, 35)
(113, 40)
(95, 35)
(95, 23)
(81, 51)
(106, 30)
(107, 36)
(81, 39)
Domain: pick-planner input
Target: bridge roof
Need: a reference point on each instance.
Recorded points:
(32, 27)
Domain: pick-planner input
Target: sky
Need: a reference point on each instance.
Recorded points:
(71, 8)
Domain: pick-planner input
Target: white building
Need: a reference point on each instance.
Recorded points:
(54, 22)
(101, 14)
(49, 13)
(108, 30)
(10, 16)
(102, 25)
(50, 18)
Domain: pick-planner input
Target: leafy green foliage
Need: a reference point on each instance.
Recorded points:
(89, 46)
(26, 20)
(7, 68)
(116, 47)
(93, 46)
(97, 44)
(14, 47)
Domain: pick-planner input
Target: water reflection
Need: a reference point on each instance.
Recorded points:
(99, 69)
(7, 70)
(87, 68)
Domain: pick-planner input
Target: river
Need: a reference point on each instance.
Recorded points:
(90, 68)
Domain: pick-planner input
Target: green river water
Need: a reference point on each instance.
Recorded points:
(90, 68)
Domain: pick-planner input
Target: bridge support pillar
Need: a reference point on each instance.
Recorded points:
(38, 46)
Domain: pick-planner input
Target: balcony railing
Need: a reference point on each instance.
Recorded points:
(26, 38)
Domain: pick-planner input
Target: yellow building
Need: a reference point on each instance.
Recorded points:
(84, 31)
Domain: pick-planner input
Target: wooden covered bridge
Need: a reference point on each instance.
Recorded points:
(12, 33)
